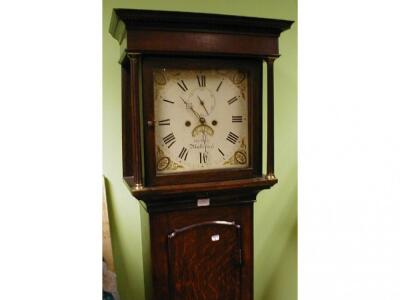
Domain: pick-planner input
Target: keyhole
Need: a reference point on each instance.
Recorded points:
(215, 237)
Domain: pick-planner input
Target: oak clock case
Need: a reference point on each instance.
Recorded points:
(192, 143)
(202, 119)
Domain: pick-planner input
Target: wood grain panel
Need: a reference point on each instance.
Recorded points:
(200, 42)
(194, 249)
(204, 268)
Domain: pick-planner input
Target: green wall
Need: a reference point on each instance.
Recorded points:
(275, 247)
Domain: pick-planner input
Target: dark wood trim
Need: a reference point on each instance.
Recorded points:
(182, 203)
(137, 171)
(171, 269)
(270, 117)
(247, 221)
(200, 43)
(161, 32)
(133, 19)
(159, 230)
(198, 190)
(127, 141)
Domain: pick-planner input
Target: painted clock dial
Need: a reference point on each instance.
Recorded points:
(201, 119)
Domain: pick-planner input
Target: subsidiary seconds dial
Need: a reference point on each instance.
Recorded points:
(201, 119)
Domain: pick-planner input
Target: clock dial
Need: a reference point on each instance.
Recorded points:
(201, 119)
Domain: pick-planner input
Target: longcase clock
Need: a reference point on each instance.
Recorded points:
(192, 142)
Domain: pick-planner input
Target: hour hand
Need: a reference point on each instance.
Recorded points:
(202, 104)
